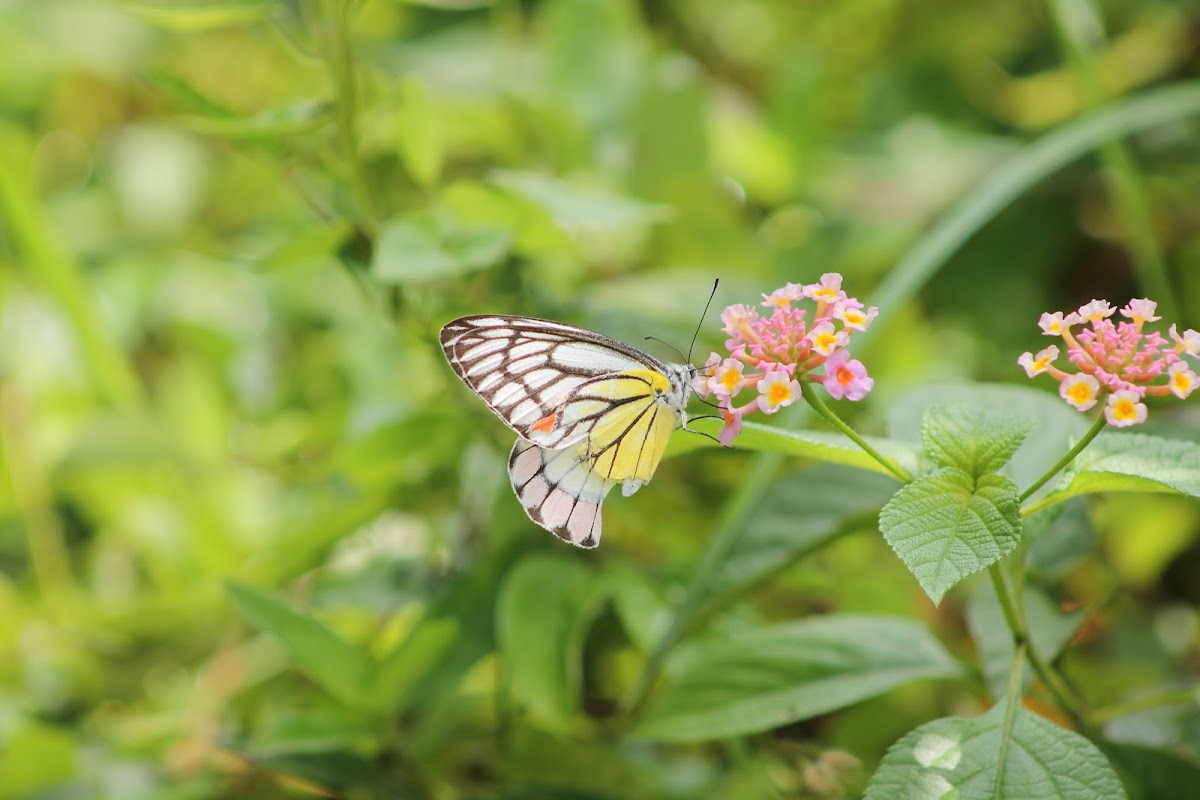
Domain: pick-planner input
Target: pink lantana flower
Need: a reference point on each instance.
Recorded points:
(776, 350)
(1036, 365)
(777, 390)
(846, 377)
(1117, 361)
(1181, 380)
(727, 379)
(732, 418)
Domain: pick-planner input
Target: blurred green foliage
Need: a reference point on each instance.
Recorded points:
(255, 538)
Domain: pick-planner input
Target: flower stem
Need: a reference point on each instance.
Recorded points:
(1097, 426)
(814, 400)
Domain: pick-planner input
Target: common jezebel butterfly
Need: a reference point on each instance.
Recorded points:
(589, 412)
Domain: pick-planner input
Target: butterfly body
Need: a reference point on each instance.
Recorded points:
(590, 412)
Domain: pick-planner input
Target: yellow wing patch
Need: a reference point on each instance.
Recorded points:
(628, 441)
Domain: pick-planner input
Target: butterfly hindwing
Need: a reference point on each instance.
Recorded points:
(559, 490)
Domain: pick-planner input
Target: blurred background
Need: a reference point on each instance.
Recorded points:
(229, 234)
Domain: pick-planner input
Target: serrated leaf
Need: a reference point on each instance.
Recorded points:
(574, 208)
(976, 440)
(959, 758)
(1133, 462)
(422, 248)
(327, 658)
(1049, 628)
(765, 677)
(542, 613)
(200, 14)
(1059, 426)
(832, 448)
(947, 525)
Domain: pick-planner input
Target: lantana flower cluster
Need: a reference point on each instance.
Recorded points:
(1116, 362)
(771, 352)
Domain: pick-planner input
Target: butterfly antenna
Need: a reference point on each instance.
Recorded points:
(664, 341)
(700, 324)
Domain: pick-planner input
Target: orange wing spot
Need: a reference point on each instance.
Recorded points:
(545, 424)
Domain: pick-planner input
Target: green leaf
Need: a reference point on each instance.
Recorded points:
(574, 208)
(269, 127)
(1150, 774)
(1049, 628)
(578, 768)
(832, 448)
(314, 245)
(1057, 539)
(451, 5)
(765, 677)
(424, 248)
(1133, 462)
(201, 14)
(456, 632)
(34, 758)
(1058, 425)
(316, 650)
(800, 514)
(946, 526)
(960, 759)
(419, 136)
(976, 440)
(542, 614)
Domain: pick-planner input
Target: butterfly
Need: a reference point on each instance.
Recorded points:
(589, 412)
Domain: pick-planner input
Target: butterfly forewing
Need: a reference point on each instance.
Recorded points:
(525, 369)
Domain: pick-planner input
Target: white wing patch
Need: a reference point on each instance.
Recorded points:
(560, 491)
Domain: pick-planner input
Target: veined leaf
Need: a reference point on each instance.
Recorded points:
(1058, 425)
(774, 675)
(976, 440)
(960, 758)
(1133, 462)
(947, 525)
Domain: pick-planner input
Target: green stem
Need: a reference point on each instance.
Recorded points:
(1092, 433)
(51, 266)
(1014, 616)
(339, 55)
(1121, 173)
(1016, 674)
(1169, 697)
(814, 400)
